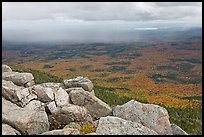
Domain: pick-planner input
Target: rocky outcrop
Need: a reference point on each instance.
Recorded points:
(70, 113)
(26, 120)
(83, 82)
(61, 97)
(9, 91)
(94, 105)
(117, 126)
(19, 95)
(42, 109)
(6, 68)
(52, 107)
(53, 85)
(20, 79)
(177, 130)
(149, 115)
(44, 94)
(8, 130)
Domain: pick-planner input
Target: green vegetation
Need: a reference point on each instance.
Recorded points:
(193, 98)
(98, 70)
(40, 77)
(117, 68)
(117, 79)
(189, 119)
(133, 56)
(118, 63)
(48, 66)
(185, 67)
(165, 68)
(129, 72)
(109, 97)
(72, 69)
(103, 74)
(158, 78)
(195, 80)
(191, 60)
(113, 79)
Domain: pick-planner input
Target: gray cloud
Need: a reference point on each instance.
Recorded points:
(93, 22)
(128, 11)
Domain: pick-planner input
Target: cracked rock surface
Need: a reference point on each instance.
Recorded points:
(149, 115)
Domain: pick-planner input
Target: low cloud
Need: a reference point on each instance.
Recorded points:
(93, 21)
(94, 11)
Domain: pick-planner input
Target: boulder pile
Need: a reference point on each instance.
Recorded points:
(58, 109)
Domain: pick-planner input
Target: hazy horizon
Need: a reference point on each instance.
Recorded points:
(94, 22)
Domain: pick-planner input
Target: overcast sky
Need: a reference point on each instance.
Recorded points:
(59, 20)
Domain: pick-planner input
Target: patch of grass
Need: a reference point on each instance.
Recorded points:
(87, 128)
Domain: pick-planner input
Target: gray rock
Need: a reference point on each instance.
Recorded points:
(92, 92)
(65, 131)
(53, 85)
(89, 119)
(29, 84)
(77, 112)
(95, 123)
(18, 95)
(6, 68)
(44, 94)
(35, 105)
(96, 107)
(25, 120)
(25, 96)
(52, 107)
(117, 126)
(8, 130)
(83, 82)
(72, 125)
(71, 113)
(68, 90)
(93, 133)
(149, 115)
(17, 78)
(61, 97)
(9, 90)
(177, 130)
